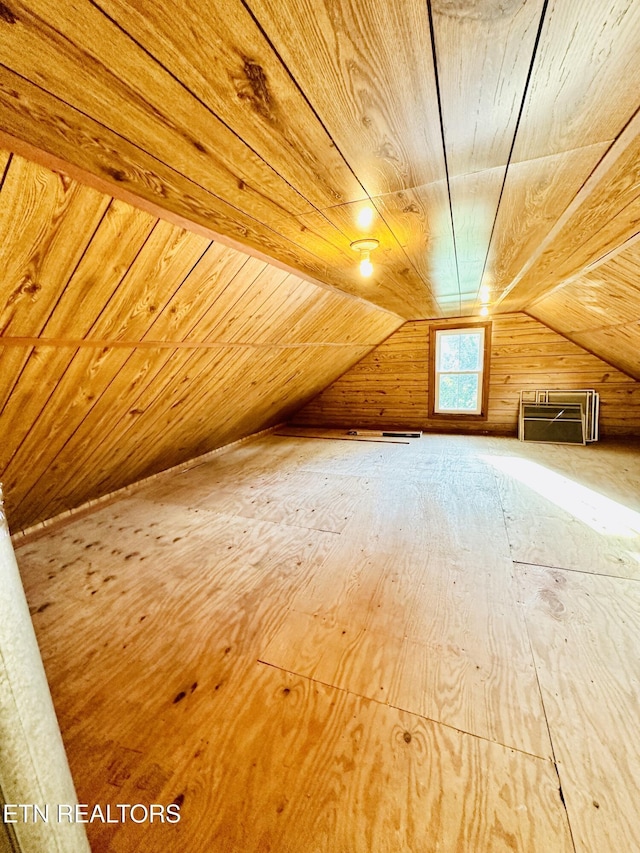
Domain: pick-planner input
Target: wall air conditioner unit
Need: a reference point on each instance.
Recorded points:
(559, 416)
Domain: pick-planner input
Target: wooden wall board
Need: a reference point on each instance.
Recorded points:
(162, 427)
(162, 264)
(47, 221)
(86, 377)
(247, 310)
(5, 157)
(121, 450)
(12, 362)
(278, 399)
(68, 481)
(582, 624)
(619, 344)
(196, 415)
(171, 346)
(285, 300)
(225, 294)
(41, 368)
(381, 392)
(136, 703)
(357, 324)
(114, 247)
(197, 295)
(602, 304)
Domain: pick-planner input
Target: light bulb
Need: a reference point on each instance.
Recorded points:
(366, 267)
(365, 247)
(484, 311)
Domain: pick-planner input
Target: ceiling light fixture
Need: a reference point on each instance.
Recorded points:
(365, 247)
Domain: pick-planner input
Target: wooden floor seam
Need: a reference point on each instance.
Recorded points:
(407, 711)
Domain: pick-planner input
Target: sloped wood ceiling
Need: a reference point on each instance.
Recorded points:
(128, 344)
(601, 310)
(496, 140)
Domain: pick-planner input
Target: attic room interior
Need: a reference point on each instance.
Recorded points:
(298, 550)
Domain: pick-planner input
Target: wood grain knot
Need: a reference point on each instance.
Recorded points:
(27, 287)
(255, 89)
(116, 174)
(554, 606)
(7, 15)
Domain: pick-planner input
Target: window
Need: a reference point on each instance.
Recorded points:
(459, 359)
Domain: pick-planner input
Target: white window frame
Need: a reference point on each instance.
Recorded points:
(468, 330)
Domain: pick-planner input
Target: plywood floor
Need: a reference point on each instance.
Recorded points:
(356, 647)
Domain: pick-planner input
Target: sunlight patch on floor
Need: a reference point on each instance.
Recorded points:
(602, 514)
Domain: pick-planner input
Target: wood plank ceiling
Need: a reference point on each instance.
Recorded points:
(495, 140)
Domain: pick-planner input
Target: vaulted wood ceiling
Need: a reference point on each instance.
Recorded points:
(496, 140)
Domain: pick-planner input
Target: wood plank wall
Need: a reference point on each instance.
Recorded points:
(129, 345)
(389, 386)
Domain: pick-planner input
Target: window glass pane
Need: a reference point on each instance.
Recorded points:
(459, 352)
(458, 392)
